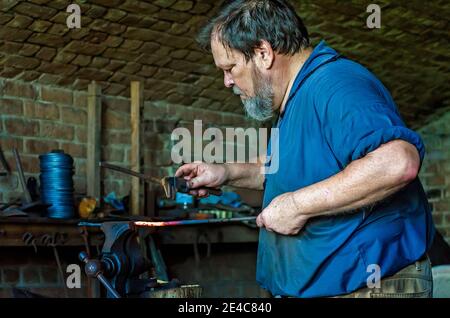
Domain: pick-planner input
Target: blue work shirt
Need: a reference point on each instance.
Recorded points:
(338, 112)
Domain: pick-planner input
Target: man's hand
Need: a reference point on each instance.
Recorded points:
(202, 174)
(282, 216)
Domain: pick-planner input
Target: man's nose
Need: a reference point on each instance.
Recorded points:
(228, 81)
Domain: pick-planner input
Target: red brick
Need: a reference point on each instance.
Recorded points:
(73, 116)
(49, 79)
(121, 54)
(58, 29)
(34, 109)
(117, 104)
(9, 72)
(80, 84)
(22, 62)
(20, 22)
(75, 150)
(13, 34)
(114, 15)
(57, 68)
(155, 141)
(200, 8)
(11, 106)
(8, 143)
(29, 49)
(81, 134)
(80, 99)
(64, 57)
(40, 26)
(35, 11)
(46, 39)
(115, 89)
(442, 205)
(35, 146)
(113, 154)
(46, 53)
(112, 41)
(139, 7)
(113, 120)
(14, 88)
(21, 127)
(438, 217)
(55, 95)
(111, 137)
(447, 218)
(114, 65)
(84, 48)
(99, 62)
(147, 71)
(5, 17)
(82, 60)
(10, 47)
(173, 16)
(93, 74)
(30, 163)
(29, 76)
(57, 131)
(131, 20)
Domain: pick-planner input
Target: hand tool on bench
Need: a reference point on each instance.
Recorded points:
(28, 205)
(171, 185)
(23, 184)
(4, 164)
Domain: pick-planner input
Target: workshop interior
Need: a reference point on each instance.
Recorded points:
(90, 206)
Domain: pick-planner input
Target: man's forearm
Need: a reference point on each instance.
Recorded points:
(245, 175)
(363, 182)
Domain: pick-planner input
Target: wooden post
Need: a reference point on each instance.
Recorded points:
(135, 155)
(94, 116)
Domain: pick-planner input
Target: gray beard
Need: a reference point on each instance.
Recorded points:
(260, 106)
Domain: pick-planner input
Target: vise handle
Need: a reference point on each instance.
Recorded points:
(93, 268)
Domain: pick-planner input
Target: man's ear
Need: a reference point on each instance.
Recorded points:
(264, 55)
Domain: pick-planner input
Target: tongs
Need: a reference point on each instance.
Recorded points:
(171, 184)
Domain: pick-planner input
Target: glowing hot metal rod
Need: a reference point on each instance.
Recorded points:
(176, 223)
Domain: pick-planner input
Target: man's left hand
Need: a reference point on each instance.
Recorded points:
(282, 216)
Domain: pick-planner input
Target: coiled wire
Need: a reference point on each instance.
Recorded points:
(56, 183)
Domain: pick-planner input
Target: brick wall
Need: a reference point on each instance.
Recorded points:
(37, 118)
(435, 172)
(153, 41)
(22, 268)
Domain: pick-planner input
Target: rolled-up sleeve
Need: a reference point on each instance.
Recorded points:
(354, 127)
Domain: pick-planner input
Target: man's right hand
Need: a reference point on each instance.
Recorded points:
(201, 175)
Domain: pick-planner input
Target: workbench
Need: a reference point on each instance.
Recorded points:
(12, 230)
(66, 232)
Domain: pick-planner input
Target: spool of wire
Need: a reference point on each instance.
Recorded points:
(56, 183)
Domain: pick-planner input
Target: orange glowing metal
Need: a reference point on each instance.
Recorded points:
(193, 222)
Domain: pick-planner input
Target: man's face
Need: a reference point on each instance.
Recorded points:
(253, 87)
